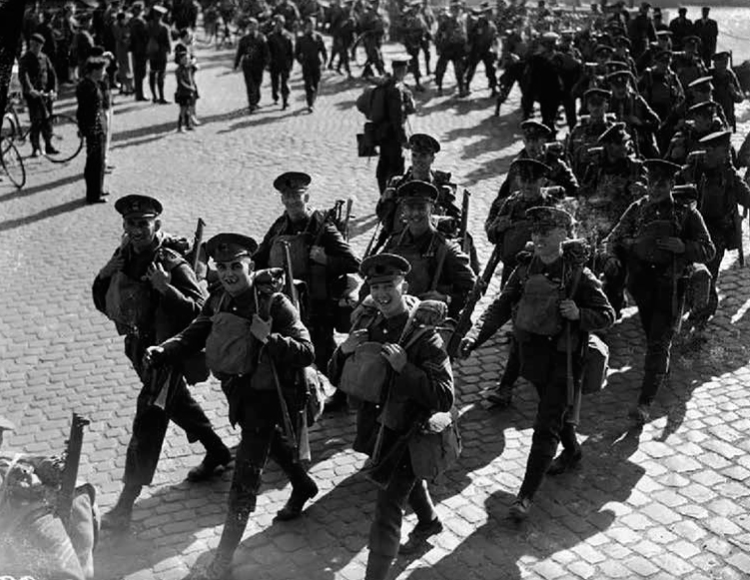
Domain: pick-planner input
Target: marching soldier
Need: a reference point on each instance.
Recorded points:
(663, 92)
(509, 227)
(253, 55)
(150, 292)
(689, 65)
(655, 240)
(419, 382)
(423, 149)
(727, 87)
(256, 345)
(549, 292)
(701, 120)
(439, 268)
(372, 26)
(615, 179)
(544, 82)
(482, 42)
(720, 191)
(390, 132)
(538, 145)
(586, 133)
(320, 258)
(415, 30)
(450, 41)
(311, 53)
(281, 58)
(632, 109)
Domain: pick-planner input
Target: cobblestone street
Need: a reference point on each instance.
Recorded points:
(669, 501)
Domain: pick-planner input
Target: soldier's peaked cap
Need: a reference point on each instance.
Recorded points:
(545, 217)
(418, 191)
(660, 168)
(400, 61)
(159, 9)
(36, 37)
(691, 39)
(685, 193)
(716, 138)
(424, 142)
(6, 424)
(292, 181)
(703, 108)
(702, 83)
(597, 92)
(228, 246)
(617, 133)
(530, 169)
(600, 48)
(667, 33)
(620, 76)
(138, 206)
(723, 55)
(533, 129)
(384, 268)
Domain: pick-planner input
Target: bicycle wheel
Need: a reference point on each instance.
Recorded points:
(13, 164)
(65, 138)
(9, 131)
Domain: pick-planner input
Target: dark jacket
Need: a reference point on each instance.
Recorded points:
(90, 106)
(281, 50)
(252, 52)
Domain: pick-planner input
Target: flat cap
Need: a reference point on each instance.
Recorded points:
(659, 169)
(292, 182)
(400, 61)
(384, 268)
(424, 142)
(716, 139)
(36, 37)
(702, 84)
(545, 217)
(534, 129)
(597, 93)
(616, 134)
(703, 108)
(417, 191)
(530, 169)
(227, 247)
(138, 206)
(6, 424)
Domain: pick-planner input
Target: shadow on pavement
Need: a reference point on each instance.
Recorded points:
(44, 214)
(167, 128)
(26, 191)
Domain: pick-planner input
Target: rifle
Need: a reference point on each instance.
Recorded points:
(371, 245)
(737, 219)
(197, 243)
(347, 217)
(463, 232)
(480, 287)
(70, 471)
(289, 288)
(291, 291)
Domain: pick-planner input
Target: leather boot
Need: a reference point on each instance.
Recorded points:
(303, 486)
(378, 566)
(119, 517)
(217, 455)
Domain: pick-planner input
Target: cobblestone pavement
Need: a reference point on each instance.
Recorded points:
(670, 501)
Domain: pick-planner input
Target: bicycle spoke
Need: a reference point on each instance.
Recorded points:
(13, 165)
(65, 138)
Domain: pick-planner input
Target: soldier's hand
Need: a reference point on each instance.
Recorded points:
(115, 264)
(260, 328)
(466, 347)
(318, 255)
(159, 277)
(674, 245)
(395, 355)
(354, 340)
(501, 223)
(154, 356)
(569, 309)
(434, 295)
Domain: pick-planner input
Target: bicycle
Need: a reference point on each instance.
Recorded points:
(66, 137)
(12, 163)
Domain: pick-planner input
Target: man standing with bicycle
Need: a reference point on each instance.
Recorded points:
(39, 84)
